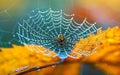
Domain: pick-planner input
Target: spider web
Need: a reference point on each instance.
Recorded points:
(41, 26)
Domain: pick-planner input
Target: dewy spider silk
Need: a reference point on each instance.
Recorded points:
(54, 30)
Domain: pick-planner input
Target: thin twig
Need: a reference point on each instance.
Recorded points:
(39, 67)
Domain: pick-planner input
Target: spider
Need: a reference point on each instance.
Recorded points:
(61, 41)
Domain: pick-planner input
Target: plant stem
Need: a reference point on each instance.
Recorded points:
(39, 67)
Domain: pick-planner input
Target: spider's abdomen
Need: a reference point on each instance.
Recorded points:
(61, 42)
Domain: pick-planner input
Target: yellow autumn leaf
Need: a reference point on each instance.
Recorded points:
(16, 58)
(104, 50)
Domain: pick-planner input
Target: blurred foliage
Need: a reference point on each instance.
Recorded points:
(106, 56)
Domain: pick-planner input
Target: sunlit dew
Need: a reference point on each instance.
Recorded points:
(54, 30)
